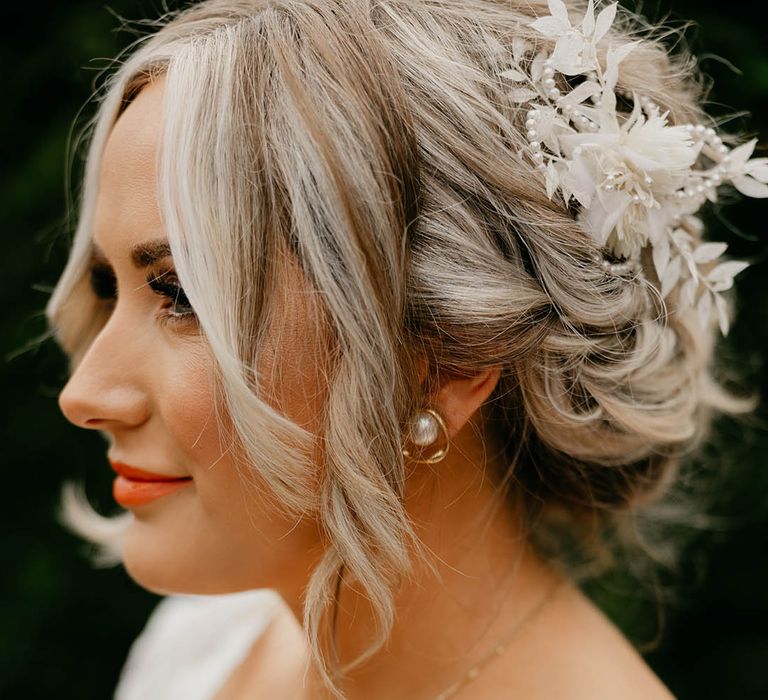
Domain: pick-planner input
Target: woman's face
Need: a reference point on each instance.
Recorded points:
(147, 383)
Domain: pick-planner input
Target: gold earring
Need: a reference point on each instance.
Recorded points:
(424, 427)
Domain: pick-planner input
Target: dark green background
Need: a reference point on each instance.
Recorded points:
(65, 627)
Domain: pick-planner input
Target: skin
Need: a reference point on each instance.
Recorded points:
(146, 383)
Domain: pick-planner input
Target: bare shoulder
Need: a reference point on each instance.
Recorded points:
(574, 652)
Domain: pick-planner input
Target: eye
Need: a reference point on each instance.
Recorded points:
(103, 282)
(166, 284)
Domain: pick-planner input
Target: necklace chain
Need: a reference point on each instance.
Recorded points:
(499, 649)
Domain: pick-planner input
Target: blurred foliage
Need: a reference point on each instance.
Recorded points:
(66, 627)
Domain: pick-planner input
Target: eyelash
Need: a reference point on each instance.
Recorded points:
(164, 284)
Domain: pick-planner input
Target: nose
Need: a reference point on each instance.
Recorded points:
(106, 390)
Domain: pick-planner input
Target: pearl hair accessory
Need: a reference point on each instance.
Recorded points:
(639, 181)
(424, 429)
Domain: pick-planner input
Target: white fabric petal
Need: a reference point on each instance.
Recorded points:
(707, 252)
(750, 187)
(671, 276)
(566, 57)
(757, 168)
(522, 95)
(688, 292)
(571, 141)
(551, 27)
(588, 23)
(604, 22)
(614, 59)
(661, 255)
(722, 313)
(581, 92)
(687, 255)
(558, 9)
(601, 218)
(580, 181)
(519, 48)
(726, 271)
(552, 180)
(739, 155)
(513, 74)
(537, 66)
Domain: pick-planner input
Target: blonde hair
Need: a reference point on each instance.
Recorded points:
(374, 141)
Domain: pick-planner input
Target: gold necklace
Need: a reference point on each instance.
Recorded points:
(475, 671)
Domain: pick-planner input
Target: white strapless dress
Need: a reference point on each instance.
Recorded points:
(191, 644)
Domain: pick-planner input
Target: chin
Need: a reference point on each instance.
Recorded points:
(163, 563)
(152, 565)
(165, 559)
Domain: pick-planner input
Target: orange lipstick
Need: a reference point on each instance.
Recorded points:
(137, 487)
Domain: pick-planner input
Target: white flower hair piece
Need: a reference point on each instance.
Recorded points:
(639, 181)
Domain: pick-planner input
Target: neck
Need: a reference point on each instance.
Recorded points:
(481, 579)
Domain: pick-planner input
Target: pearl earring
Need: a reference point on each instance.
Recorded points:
(423, 431)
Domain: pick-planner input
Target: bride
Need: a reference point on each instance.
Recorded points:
(391, 311)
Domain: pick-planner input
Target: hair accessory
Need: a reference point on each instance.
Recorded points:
(638, 180)
(424, 429)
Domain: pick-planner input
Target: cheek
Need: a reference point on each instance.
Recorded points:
(221, 534)
(188, 411)
(203, 443)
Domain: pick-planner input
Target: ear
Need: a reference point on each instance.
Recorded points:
(461, 395)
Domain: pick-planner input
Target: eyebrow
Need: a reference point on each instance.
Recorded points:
(142, 254)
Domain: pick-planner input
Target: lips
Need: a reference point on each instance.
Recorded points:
(136, 487)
